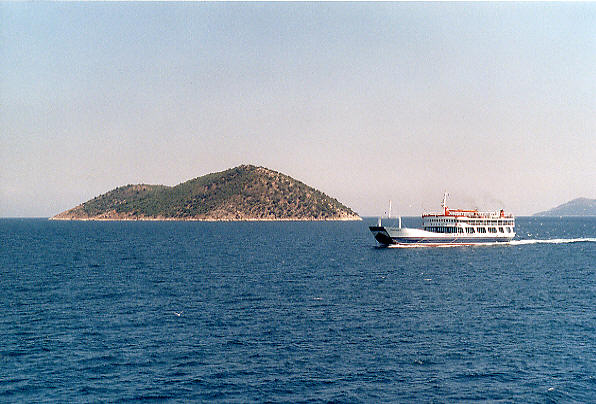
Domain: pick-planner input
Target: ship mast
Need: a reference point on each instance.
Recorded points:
(444, 204)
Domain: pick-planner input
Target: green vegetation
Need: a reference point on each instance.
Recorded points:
(242, 193)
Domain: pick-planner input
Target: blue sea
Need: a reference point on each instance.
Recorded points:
(293, 312)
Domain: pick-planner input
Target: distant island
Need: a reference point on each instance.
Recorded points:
(242, 193)
(576, 207)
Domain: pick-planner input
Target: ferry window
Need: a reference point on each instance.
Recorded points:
(460, 230)
(492, 229)
(501, 230)
(508, 229)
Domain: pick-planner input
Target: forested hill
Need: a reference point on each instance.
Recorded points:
(576, 207)
(246, 192)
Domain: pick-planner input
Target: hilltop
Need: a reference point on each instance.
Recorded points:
(246, 192)
(576, 207)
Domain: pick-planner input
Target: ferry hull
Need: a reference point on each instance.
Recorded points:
(405, 237)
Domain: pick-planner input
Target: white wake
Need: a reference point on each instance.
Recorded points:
(554, 241)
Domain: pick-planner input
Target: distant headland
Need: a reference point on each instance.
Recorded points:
(576, 207)
(244, 193)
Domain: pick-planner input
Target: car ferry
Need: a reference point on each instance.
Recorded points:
(451, 227)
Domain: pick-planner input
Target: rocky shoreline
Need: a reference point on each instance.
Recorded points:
(164, 219)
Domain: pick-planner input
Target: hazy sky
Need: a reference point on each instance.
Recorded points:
(494, 102)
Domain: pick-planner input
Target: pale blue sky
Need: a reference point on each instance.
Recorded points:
(494, 102)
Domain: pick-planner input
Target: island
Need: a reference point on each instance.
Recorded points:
(576, 207)
(243, 193)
